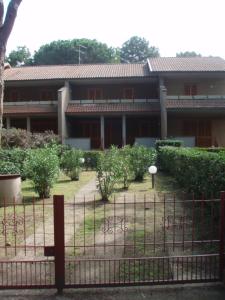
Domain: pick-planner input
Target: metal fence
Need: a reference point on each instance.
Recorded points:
(130, 240)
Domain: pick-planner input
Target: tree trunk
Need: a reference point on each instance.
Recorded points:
(6, 26)
(2, 59)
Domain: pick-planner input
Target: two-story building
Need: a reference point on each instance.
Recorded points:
(95, 106)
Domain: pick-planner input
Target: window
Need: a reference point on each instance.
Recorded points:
(128, 93)
(190, 89)
(47, 95)
(94, 93)
(14, 96)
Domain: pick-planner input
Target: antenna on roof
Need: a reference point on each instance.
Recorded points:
(80, 52)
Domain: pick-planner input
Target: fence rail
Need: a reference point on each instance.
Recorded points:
(130, 240)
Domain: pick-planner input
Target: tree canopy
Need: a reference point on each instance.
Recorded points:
(137, 49)
(73, 52)
(84, 51)
(188, 54)
(20, 56)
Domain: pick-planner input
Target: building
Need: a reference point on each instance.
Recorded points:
(94, 106)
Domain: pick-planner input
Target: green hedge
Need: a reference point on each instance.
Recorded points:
(163, 143)
(16, 157)
(197, 171)
(213, 150)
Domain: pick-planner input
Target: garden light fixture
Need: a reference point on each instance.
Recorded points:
(152, 170)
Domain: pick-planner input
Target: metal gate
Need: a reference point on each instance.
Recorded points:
(131, 240)
(25, 231)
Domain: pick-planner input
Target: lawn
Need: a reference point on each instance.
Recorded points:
(24, 220)
(63, 186)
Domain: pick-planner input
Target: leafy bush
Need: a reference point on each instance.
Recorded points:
(43, 139)
(15, 138)
(42, 167)
(197, 171)
(91, 159)
(141, 159)
(125, 166)
(24, 139)
(7, 167)
(71, 163)
(108, 172)
(163, 143)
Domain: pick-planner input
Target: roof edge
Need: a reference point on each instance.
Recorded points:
(149, 65)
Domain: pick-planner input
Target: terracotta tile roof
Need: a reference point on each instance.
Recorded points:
(77, 72)
(110, 108)
(186, 104)
(29, 109)
(186, 64)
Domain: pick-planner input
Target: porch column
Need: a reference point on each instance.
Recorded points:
(102, 121)
(63, 100)
(163, 111)
(28, 124)
(7, 123)
(124, 130)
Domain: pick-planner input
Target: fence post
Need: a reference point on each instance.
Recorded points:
(222, 234)
(59, 238)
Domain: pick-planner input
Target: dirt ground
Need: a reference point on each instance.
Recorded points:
(178, 292)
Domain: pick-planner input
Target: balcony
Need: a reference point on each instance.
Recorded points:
(113, 106)
(113, 101)
(30, 107)
(195, 102)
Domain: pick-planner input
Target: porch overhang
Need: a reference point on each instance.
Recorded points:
(30, 110)
(76, 109)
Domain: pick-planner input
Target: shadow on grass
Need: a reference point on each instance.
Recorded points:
(64, 181)
(28, 200)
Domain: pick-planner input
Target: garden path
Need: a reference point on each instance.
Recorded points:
(44, 234)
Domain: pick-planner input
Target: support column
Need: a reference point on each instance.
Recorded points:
(102, 121)
(124, 130)
(163, 111)
(28, 124)
(63, 100)
(7, 123)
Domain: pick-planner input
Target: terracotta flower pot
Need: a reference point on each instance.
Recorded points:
(10, 189)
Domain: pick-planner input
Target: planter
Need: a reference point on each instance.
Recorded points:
(10, 189)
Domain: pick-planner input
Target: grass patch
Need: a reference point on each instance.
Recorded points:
(22, 220)
(63, 186)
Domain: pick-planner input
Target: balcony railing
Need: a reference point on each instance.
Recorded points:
(13, 103)
(112, 101)
(197, 97)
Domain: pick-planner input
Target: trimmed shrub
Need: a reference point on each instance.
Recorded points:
(163, 143)
(16, 157)
(197, 171)
(42, 168)
(141, 159)
(71, 163)
(212, 150)
(7, 167)
(91, 159)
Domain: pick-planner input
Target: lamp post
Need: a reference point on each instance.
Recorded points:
(153, 170)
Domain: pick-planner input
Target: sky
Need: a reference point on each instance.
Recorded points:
(170, 25)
